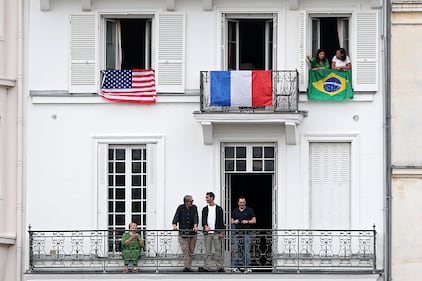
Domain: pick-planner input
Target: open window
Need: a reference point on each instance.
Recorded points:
(357, 32)
(249, 41)
(128, 43)
(330, 33)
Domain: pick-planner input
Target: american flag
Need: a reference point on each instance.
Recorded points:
(136, 85)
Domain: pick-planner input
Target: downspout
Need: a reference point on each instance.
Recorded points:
(19, 172)
(387, 141)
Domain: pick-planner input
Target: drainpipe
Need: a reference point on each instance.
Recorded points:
(387, 140)
(19, 172)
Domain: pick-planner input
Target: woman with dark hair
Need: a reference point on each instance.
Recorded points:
(320, 60)
(341, 61)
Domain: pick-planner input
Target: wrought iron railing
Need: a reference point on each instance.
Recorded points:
(285, 84)
(270, 250)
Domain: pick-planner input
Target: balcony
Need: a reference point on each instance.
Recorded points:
(282, 110)
(273, 251)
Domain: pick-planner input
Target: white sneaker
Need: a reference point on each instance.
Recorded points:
(247, 270)
(236, 270)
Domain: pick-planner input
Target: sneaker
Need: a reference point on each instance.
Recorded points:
(203, 269)
(237, 270)
(247, 270)
(221, 270)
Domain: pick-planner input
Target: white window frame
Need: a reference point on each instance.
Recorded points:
(226, 17)
(104, 18)
(155, 180)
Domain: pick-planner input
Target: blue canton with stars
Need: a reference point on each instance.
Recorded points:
(117, 79)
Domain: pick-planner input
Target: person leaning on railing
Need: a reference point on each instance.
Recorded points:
(132, 245)
(320, 60)
(341, 61)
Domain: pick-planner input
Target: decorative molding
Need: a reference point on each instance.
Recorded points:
(7, 239)
(293, 4)
(207, 5)
(406, 6)
(45, 5)
(170, 5)
(86, 5)
(7, 82)
(406, 172)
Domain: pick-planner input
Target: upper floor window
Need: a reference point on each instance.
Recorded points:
(249, 41)
(127, 43)
(330, 34)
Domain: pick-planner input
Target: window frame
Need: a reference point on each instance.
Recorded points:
(149, 38)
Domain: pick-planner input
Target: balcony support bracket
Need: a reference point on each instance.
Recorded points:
(207, 132)
(291, 135)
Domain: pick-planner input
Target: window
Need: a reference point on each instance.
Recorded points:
(127, 189)
(249, 42)
(330, 180)
(330, 33)
(249, 158)
(127, 43)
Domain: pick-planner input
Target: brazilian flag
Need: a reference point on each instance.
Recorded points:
(329, 84)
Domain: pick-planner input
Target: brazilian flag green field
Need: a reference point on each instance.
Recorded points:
(330, 85)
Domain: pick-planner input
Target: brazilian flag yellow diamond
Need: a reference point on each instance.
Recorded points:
(332, 84)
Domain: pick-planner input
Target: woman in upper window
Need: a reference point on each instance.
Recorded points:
(341, 61)
(320, 60)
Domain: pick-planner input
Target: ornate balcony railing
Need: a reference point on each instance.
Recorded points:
(270, 250)
(285, 94)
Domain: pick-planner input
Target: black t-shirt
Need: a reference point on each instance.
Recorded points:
(246, 214)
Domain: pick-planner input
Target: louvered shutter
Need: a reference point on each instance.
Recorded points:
(365, 68)
(302, 52)
(330, 185)
(82, 54)
(170, 70)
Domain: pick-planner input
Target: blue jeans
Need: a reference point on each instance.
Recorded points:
(242, 249)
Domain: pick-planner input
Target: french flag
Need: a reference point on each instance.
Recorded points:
(247, 88)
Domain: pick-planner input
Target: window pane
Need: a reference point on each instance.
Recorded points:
(229, 152)
(110, 193)
(110, 154)
(120, 167)
(136, 219)
(229, 165)
(136, 206)
(136, 180)
(120, 206)
(110, 180)
(257, 165)
(120, 193)
(257, 152)
(120, 154)
(241, 152)
(110, 220)
(110, 167)
(136, 167)
(144, 167)
(136, 154)
(136, 193)
(111, 45)
(110, 207)
(269, 165)
(120, 180)
(268, 152)
(120, 219)
(144, 193)
(240, 165)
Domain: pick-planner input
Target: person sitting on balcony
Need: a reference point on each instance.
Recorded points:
(132, 244)
(320, 60)
(341, 61)
(187, 217)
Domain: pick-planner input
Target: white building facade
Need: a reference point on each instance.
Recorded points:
(309, 169)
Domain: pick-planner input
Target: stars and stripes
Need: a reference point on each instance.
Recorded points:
(136, 85)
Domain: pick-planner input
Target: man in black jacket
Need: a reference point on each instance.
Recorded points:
(213, 224)
(187, 218)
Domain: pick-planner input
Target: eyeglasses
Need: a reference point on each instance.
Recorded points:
(190, 201)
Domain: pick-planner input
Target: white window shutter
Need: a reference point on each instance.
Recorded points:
(302, 52)
(170, 71)
(365, 68)
(330, 165)
(82, 53)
